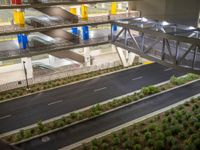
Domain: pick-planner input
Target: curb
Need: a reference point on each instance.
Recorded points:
(87, 140)
(37, 92)
(86, 119)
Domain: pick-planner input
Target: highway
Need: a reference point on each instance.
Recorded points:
(45, 105)
(100, 124)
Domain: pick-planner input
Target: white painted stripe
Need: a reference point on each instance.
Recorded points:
(168, 69)
(138, 78)
(97, 90)
(4, 117)
(56, 102)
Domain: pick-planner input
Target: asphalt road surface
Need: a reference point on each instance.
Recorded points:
(89, 128)
(31, 109)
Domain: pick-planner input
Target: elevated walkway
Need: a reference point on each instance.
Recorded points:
(173, 45)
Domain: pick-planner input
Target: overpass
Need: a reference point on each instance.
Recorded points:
(170, 44)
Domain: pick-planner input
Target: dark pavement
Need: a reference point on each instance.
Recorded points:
(89, 128)
(31, 109)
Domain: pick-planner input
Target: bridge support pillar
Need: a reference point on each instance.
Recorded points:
(127, 58)
(27, 62)
(87, 56)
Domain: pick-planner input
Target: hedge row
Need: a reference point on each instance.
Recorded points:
(93, 111)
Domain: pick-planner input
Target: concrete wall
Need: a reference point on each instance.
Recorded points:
(177, 11)
(183, 11)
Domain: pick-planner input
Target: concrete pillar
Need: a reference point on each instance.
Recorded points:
(53, 59)
(28, 65)
(86, 52)
(127, 58)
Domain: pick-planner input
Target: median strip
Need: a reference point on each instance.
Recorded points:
(76, 117)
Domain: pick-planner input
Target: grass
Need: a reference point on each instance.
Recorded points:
(94, 111)
(176, 129)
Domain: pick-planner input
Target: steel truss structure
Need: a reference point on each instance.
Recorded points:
(166, 43)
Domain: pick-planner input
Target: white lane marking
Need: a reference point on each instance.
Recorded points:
(97, 90)
(138, 78)
(56, 102)
(168, 69)
(4, 117)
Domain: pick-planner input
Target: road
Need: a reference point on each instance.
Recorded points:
(100, 124)
(45, 105)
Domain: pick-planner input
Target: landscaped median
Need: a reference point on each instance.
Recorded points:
(94, 111)
(175, 129)
(14, 93)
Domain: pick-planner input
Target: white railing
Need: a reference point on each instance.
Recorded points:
(58, 75)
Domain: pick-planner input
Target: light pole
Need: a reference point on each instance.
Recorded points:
(25, 72)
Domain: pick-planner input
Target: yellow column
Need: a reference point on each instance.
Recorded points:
(113, 8)
(73, 10)
(19, 18)
(84, 12)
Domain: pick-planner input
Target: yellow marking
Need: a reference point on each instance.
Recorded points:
(7, 39)
(148, 62)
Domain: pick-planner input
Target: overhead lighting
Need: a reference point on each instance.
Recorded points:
(165, 23)
(191, 28)
(144, 19)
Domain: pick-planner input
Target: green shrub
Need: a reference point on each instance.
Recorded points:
(152, 127)
(137, 147)
(116, 141)
(147, 135)
(159, 145)
(149, 90)
(105, 146)
(170, 140)
(27, 134)
(182, 135)
(40, 126)
(175, 130)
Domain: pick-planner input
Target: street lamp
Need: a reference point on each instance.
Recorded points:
(25, 72)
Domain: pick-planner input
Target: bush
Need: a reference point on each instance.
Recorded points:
(152, 127)
(105, 146)
(175, 130)
(40, 126)
(137, 147)
(27, 134)
(147, 135)
(116, 141)
(159, 145)
(182, 135)
(149, 90)
(170, 140)
(160, 136)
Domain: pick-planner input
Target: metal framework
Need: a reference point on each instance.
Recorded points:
(169, 44)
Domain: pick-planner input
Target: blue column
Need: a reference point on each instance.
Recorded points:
(85, 32)
(114, 27)
(75, 30)
(22, 41)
